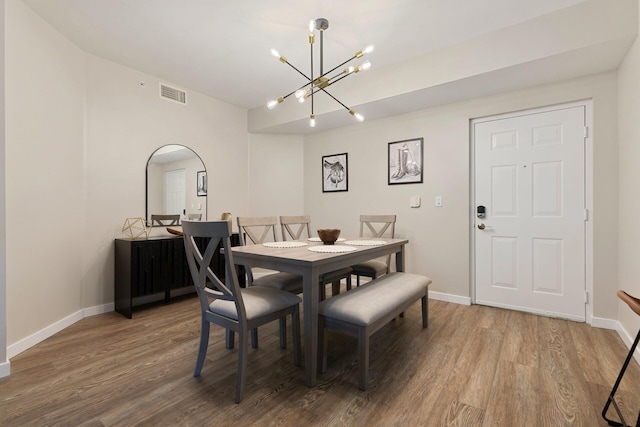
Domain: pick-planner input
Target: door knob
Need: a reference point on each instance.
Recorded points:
(481, 226)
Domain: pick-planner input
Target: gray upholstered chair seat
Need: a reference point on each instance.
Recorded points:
(372, 268)
(258, 301)
(282, 281)
(372, 302)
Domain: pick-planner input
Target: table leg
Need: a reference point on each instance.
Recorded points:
(400, 259)
(310, 297)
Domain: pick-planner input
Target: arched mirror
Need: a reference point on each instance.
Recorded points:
(176, 183)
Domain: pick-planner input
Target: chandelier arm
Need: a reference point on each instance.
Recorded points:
(335, 99)
(331, 81)
(338, 66)
(303, 74)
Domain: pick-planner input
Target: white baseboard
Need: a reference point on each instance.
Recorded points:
(5, 369)
(602, 323)
(598, 322)
(628, 340)
(98, 309)
(33, 339)
(456, 299)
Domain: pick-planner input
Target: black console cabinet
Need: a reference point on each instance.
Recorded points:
(148, 270)
(155, 269)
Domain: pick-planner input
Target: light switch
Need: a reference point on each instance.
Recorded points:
(199, 206)
(414, 202)
(439, 201)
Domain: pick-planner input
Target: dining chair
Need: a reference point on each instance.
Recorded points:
(375, 226)
(256, 231)
(165, 220)
(299, 227)
(224, 303)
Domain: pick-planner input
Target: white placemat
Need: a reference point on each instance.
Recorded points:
(365, 242)
(284, 244)
(317, 239)
(332, 249)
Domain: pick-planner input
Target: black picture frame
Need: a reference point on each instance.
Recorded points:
(335, 173)
(405, 161)
(201, 183)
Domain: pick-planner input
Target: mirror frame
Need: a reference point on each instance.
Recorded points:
(146, 182)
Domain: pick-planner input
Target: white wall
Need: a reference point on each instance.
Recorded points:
(275, 175)
(4, 362)
(629, 112)
(440, 237)
(79, 133)
(125, 124)
(45, 77)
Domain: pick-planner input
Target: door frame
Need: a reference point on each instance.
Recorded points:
(588, 170)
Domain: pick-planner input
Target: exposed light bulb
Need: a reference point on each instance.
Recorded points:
(369, 49)
(275, 53)
(358, 116)
(301, 99)
(312, 121)
(299, 93)
(365, 66)
(350, 69)
(272, 104)
(312, 25)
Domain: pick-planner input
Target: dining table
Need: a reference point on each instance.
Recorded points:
(310, 259)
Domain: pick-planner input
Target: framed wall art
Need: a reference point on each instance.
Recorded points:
(202, 183)
(335, 175)
(405, 161)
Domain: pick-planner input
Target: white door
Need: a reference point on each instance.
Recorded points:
(530, 244)
(175, 192)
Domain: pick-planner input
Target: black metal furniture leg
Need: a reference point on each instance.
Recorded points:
(611, 399)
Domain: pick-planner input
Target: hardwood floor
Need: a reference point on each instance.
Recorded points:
(473, 366)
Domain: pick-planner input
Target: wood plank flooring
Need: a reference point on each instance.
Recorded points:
(473, 366)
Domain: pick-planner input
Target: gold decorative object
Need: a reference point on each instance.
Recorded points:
(135, 228)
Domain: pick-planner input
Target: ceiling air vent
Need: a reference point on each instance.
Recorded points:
(173, 94)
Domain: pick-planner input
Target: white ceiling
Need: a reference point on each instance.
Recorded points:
(221, 48)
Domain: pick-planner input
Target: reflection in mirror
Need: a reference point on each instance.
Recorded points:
(172, 173)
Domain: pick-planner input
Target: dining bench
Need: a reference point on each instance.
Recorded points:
(366, 309)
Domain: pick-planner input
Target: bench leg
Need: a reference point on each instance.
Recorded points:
(254, 338)
(425, 312)
(363, 358)
(283, 332)
(229, 336)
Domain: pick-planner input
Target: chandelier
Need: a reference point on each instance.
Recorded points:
(325, 79)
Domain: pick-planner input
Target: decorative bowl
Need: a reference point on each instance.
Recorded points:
(329, 235)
